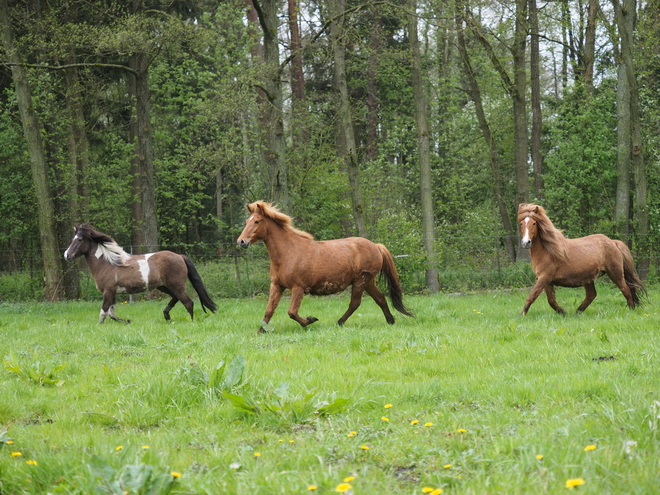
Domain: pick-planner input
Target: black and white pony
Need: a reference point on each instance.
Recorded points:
(114, 270)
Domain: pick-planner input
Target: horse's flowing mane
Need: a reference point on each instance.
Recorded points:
(284, 221)
(108, 249)
(550, 236)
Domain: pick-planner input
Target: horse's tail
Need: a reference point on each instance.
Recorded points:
(633, 281)
(393, 282)
(197, 284)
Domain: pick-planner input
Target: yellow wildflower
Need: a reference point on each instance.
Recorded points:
(414, 421)
(257, 454)
(175, 474)
(427, 489)
(571, 483)
(385, 418)
(447, 466)
(387, 406)
(31, 462)
(10, 442)
(589, 447)
(119, 447)
(145, 447)
(437, 491)
(428, 424)
(352, 434)
(343, 487)
(539, 457)
(16, 454)
(312, 487)
(364, 447)
(461, 430)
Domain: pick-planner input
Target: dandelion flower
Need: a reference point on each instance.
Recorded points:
(311, 488)
(16, 454)
(539, 457)
(352, 434)
(257, 454)
(292, 441)
(119, 447)
(437, 491)
(461, 430)
(175, 474)
(447, 466)
(589, 447)
(364, 447)
(145, 447)
(571, 483)
(387, 406)
(348, 479)
(385, 418)
(428, 424)
(31, 462)
(414, 421)
(9, 442)
(427, 489)
(343, 487)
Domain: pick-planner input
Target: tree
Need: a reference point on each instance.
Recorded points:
(423, 152)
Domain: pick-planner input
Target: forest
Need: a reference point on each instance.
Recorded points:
(421, 124)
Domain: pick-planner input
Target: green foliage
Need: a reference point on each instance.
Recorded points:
(36, 371)
(145, 477)
(580, 178)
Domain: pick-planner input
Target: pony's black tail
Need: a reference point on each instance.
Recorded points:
(197, 284)
(393, 282)
(633, 281)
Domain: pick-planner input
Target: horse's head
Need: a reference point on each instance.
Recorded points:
(527, 216)
(254, 230)
(81, 242)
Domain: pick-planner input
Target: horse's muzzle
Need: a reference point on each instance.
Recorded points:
(526, 244)
(244, 243)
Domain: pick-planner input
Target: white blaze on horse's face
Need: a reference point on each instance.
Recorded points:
(247, 237)
(68, 256)
(526, 241)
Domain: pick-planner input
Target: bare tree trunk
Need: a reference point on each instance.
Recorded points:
(273, 112)
(622, 204)
(537, 117)
(626, 19)
(519, 103)
(32, 129)
(336, 8)
(297, 78)
(590, 46)
(423, 151)
(475, 95)
(372, 97)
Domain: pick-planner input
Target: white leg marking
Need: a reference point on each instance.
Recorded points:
(103, 315)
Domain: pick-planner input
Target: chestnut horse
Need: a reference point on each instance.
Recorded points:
(564, 262)
(114, 270)
(306, 266)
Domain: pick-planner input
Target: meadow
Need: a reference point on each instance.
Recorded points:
(468, 397)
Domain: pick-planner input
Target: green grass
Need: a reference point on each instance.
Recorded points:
(542, 385)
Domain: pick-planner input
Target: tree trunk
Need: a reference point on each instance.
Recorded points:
(622, 204)
(372, 97)
(590, 46)
(537, 118)
(475, 95)
(273, 113)
(297, 78)
(423, 151)
(32, 129)
(626, 19)
(519, 103)
(349, 151)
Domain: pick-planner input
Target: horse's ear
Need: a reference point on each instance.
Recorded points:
(535, 209)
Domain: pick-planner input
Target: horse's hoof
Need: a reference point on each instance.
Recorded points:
(311, 319)
(261, 330)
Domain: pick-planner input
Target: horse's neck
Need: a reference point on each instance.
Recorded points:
(280, 243)
(94, 263)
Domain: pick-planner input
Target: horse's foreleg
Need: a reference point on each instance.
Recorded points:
(536, 290)
(274, 297)
(297, 294)
(590, 295)
(108, 308)
(378, 296)
(552, 300)
(356, 299)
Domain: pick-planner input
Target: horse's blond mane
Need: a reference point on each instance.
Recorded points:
(270, 211)
(550, 236)
(113, 253)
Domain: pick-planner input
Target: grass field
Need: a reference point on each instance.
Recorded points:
(467, 397)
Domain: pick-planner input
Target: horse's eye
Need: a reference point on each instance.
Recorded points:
(256, 222)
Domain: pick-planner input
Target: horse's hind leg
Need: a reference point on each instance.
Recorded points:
(620, 281)
(552, 300)
(590, 295)
(378, 296)
(297, 294)
(181, 296)
(356, 300)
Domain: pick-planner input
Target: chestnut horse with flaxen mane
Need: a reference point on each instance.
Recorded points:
(564, 262)
(114, 270)
(306, 266)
